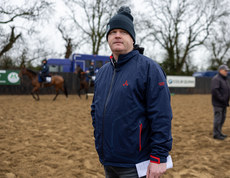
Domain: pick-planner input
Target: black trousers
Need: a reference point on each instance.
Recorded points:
(120, 172)
(219, 119)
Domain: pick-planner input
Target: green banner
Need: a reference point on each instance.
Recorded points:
(9, 77)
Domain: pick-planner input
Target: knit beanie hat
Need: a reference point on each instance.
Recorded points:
(122, 20)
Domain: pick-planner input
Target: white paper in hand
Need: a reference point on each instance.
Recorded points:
(143, 166)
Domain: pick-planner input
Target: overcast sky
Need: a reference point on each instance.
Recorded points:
(53, 40)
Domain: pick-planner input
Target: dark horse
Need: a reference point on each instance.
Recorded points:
(56, 80)
(84, 85)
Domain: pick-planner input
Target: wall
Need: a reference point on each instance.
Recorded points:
(71, 80)
(203, 85)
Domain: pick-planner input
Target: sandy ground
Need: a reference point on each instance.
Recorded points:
(55, 139)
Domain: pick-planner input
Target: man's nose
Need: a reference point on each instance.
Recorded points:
(118, 35)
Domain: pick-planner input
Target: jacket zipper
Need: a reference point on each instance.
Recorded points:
(106, 102)
(140, 130)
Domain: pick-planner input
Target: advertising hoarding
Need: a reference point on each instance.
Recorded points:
(9, 77)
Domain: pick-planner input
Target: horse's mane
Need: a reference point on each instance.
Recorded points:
(33, 72)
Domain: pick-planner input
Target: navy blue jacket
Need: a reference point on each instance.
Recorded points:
(220, 91)
(45, 69)
(131, 112)
(91, 70)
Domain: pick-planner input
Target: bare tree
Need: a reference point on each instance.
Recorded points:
(96, 15)
(70, 45)
(10, 41)
(24, 53)
(10, 12)
(180, 26)
(25, 59)
(219, 45)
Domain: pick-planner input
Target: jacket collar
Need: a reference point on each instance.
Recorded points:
(123, 58)
(224, 77)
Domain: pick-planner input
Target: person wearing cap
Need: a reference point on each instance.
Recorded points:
(91, 69)
(131, 109)
(220, 100)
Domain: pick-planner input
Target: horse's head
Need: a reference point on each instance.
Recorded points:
(24, 71)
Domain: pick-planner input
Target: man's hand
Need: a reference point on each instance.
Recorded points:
(155, 170)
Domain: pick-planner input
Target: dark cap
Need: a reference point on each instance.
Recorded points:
(122, 20)
(223, 67)
(44, 60)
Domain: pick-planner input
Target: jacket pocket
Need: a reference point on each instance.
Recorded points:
(140, 131)
(124, 137)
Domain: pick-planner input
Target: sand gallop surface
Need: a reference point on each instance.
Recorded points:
(49, 139)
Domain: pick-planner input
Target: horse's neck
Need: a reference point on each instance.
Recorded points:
(30, 75)
(82, 77)
(79, 71)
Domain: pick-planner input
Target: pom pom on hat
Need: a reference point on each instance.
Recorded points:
(122, 20)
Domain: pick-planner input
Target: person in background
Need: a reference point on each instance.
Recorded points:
(91, 73)
(220, 100)
(44, 71)
(131, 110)
(91, 69)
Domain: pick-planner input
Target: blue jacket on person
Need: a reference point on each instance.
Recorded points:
(45, 69)
(220, 91)
(131, 112)
(91, 70)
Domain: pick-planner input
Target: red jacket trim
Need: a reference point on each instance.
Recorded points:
(155, 158)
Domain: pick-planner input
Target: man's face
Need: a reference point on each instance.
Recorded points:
(120, 42)
(223, 72)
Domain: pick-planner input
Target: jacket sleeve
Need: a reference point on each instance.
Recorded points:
(159, 114)
(93, 113)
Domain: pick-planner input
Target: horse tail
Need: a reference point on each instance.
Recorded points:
(65, 89)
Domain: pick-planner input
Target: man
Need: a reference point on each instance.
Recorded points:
(131, 109)
(220, 100)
